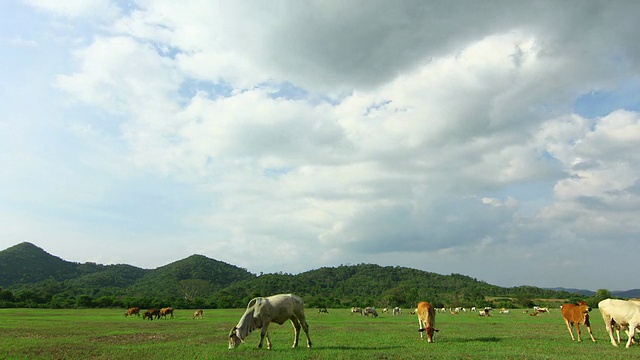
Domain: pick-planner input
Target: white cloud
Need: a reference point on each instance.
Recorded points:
(345, 132)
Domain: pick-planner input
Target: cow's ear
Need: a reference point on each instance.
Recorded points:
(422, 330)
(436, 330)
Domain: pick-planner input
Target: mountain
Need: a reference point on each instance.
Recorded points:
(194, 276)
(26, 263)
(575, 291)
(633, 293)
(32, 277)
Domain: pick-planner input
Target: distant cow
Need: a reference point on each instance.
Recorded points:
(166, 311)
(132, 311)
(198, 314)
(485, 312)
(370, 311)
(541, 309)
(323, 310)
(151, 313)
(396, 311)
(356, 310)
(262, 311)
(576, 314)
(426, 320)
(623, 312)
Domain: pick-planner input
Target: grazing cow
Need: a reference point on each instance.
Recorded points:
(485, 312)
(426, 320)
(396, 311)
(355, 310)
(151, 313)
(262, 311)
(504, 311)
(132, 311)
(625, 313)
(576, 314)
(323, 310)
(198, 314)
(385, 310)
(370, 311)
(166, 311)
(473, 308)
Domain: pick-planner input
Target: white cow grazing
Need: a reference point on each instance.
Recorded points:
(396, 311)
(624, 313)
(262, 311)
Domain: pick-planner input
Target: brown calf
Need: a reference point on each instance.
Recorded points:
(132, 311)
(150, 313)
(198, 314)
(426, 320)
(166, 311)
(576, 314)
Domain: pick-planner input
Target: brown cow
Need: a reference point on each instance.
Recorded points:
(132, 311)
(426, 320)
(198, 314)
(166, 311)
(576, 314)
(150, 313)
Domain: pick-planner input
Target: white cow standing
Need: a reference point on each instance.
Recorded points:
(622, 312)
(262, 311)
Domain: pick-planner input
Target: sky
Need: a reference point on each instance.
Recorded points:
(494, 139)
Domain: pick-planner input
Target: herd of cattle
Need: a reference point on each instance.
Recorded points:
(617, 315)
(157, 313)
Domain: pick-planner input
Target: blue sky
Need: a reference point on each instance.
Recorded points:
(494, 140)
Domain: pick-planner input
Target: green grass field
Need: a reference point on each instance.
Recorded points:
(107, 334)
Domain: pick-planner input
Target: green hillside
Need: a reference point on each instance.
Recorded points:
(26, 263)
(30, 277)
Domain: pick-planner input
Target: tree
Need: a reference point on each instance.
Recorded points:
(191, 289)
(602, 294)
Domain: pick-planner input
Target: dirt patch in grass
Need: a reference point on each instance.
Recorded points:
(122, 339)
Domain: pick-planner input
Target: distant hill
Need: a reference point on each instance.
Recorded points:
(29, 276)
(194, 276)
(26, 263)
(633, 293)
(575, 291)
(625, 294)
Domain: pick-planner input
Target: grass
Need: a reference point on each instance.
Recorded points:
(107, 334)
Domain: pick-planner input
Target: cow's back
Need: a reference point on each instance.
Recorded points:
(426, 313)
(280, 308)
(620, 309)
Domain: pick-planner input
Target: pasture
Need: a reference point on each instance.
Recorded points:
(107, 334)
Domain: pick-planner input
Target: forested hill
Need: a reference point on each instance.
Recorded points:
(32, 277)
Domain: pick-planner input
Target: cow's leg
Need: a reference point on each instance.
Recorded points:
(296, 330)
(569, 328)
(608, 323)
(264, 333)
(305, 327)
(632, 333)
(578, 331)
(421, 325)
(590, 333)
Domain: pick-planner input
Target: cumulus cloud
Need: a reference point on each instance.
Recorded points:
(345, 132)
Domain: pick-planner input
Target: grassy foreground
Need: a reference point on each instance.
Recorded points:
(107, 334)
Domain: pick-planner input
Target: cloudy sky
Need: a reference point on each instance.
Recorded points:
(495, 139)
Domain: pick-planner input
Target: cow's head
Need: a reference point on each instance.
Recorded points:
(430, 331)
(584, 306)
(234, 338)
